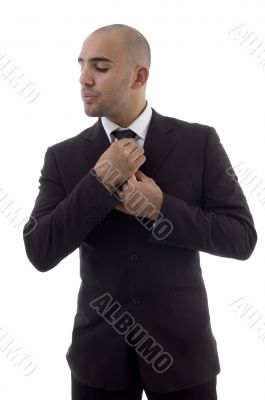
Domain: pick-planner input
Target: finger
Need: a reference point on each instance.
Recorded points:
(137, 150)
(140, 175)
(132, 146)
(132, 179)
(128, 142)
(132, 183)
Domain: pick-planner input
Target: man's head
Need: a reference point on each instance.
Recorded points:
(119, 84)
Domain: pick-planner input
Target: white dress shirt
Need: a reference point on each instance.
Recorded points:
(139, 126)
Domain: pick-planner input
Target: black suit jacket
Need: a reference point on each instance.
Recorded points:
(155, 286)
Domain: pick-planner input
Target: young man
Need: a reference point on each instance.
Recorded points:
(140, 194)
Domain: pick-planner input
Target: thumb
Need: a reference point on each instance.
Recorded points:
(141, 176)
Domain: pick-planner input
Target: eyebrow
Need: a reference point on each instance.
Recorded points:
(93, 59)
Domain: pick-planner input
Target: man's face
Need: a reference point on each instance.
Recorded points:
(110, 81)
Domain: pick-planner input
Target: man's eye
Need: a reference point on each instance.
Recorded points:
(102, 69)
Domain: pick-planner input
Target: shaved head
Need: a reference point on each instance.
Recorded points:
(136, 47)
(115, 61)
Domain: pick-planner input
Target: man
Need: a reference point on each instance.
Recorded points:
(139, 194)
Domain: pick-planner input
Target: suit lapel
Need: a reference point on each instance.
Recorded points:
(96, 142)
(158, 143)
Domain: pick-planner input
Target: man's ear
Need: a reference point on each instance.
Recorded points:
(141, 77)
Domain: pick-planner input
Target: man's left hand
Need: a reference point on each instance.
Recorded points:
(137, 191)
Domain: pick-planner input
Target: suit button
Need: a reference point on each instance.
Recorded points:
(136, 300)
(134, 257)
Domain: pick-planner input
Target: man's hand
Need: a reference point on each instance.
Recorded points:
(141, 197)
(119, 162)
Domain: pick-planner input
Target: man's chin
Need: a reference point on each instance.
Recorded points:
(91, 113)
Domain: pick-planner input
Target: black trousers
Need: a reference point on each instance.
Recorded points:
(80, 391)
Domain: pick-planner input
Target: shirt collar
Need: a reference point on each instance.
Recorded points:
(139, 125)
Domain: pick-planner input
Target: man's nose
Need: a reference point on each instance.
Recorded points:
(86, 77)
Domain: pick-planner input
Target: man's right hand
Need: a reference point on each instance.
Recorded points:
(123, 156)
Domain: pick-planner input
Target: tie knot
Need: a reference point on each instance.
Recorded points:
(125, 133)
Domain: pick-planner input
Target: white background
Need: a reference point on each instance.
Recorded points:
(199, 73)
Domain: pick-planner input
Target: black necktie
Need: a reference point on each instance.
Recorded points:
(125, 133)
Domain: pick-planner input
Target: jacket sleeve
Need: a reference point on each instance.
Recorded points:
(223, 226)
(59, 223)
